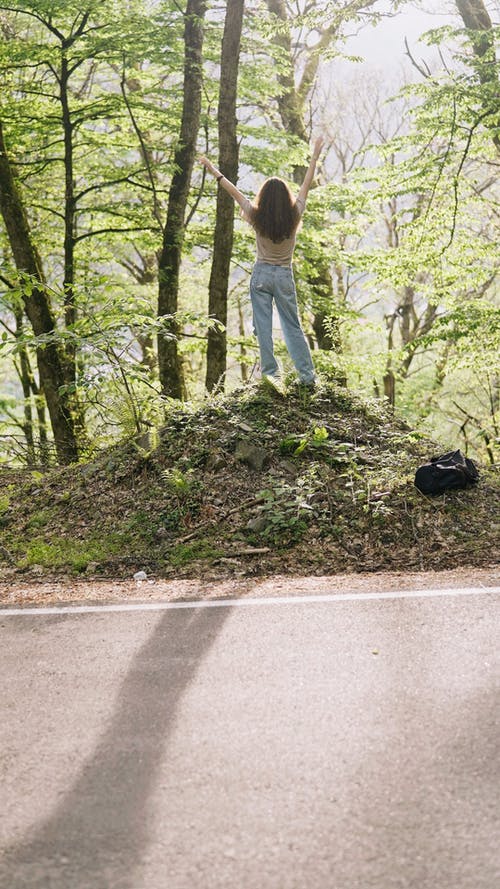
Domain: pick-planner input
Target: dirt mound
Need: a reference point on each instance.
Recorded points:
(249, 484)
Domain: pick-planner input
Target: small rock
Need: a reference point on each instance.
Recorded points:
(37, 569)
(258, 523)
(5, 554)
(255, 457)
(140, 575)
(216, 462)
(365, 459)
(88, 470)
(92, 567)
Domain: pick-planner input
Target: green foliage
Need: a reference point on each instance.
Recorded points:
(186, 491)
(283, 514)
(39, 519)
(72, 554)
(184, 553)
(184, 485)
(296, 445)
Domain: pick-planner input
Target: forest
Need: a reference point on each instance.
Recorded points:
(124, 269)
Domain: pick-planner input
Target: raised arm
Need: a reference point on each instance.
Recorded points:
(308, 178)
(225, 183)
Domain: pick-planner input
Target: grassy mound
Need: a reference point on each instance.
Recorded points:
(252, 483)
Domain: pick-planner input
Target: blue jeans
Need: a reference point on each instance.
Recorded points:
(275, 282)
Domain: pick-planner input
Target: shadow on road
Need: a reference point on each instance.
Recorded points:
(96, 836)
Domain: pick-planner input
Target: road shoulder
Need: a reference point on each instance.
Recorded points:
(115, 591)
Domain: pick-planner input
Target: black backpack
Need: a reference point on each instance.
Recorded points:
(445, 473)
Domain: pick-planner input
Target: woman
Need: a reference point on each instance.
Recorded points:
(275, 218)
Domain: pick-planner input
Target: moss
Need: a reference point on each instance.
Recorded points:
(142, 526)
(74, 555)
(40, 519)
(184, 553)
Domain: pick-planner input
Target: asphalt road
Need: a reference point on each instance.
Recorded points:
(308, 745)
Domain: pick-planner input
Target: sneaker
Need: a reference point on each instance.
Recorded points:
(274, 383)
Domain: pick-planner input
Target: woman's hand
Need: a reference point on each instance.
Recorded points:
(204, 161)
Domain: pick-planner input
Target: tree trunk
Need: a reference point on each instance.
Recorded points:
(69, 220)
(389, 379)
(224, 225)
(70, 309)
(43, 442)
(243, 351)
(24, 372)
(39, 312)
(170, 368)
(477, 20)
(390, 385)
(289, 104)
(31, 392)
(291, 109)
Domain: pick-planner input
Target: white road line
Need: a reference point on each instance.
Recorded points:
(244, 603)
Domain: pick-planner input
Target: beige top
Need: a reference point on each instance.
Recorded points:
(273, 252)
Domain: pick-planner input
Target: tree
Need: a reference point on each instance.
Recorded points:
(170, 369)
(58, 115)
(83, 182)
(224, 225)
(298, 64)
(100, 117)
(437, 270)
(478, 22)
(39, 311)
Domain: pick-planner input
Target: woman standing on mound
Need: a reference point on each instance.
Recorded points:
(275, 217)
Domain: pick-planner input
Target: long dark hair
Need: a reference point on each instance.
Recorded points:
(275, 214)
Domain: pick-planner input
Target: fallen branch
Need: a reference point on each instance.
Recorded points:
(253, 502)
(251, 551)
